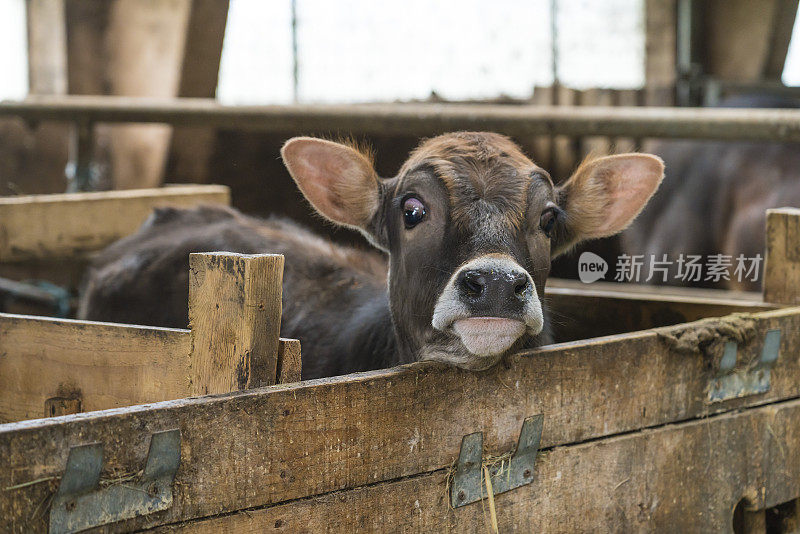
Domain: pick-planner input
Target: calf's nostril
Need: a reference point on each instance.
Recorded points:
(473, 283)
(521, 287)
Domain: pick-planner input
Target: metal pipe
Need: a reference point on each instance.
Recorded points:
(423, 119)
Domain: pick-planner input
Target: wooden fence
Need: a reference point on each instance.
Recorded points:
(665, 429)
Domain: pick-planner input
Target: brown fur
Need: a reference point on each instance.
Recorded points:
(482, 195)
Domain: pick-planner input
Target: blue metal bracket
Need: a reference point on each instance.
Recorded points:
(467, 485)
(731, 383)
(81, 503)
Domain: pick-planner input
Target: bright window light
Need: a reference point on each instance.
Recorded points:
(368, 51)
(14, 46)
(256, 65)
(601, 44)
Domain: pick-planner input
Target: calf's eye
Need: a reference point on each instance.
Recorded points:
(548, 219)
(413, 211)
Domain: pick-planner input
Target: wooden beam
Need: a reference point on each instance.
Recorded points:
(192, 148)
(85, 366)
(424, 119)
(103, 365)
(47, 47)
(680, 478)
(235, 318)
(782, 25)
(289, 362)
(782, 263)
(69, 225)
(582, 311)
(660, 52)
(271, 445)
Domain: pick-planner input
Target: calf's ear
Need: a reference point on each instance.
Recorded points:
(338, 180)
(605, 195)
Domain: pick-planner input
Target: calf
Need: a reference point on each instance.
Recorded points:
(468, 227)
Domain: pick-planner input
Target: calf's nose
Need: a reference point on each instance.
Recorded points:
(493, 291)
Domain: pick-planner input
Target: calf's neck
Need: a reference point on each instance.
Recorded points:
(465, 234)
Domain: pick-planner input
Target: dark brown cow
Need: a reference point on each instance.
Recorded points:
(715, 198)
(469, 225)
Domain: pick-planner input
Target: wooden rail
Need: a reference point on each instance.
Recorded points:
(103, 365)
(73, 224)
(656, 429)
(422, 119)
(402, 429)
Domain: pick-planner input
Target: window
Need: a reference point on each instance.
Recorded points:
(362, 50)
(14, 46)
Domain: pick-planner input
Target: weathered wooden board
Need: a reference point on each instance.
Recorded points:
(581, 311)
(103, 365)
(235, 318)
(782, 267)
(275, 444)
(67, 225)
(678, 478)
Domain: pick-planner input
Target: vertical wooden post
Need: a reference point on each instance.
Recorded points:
(47, 47)
(782, 263)
(235, 317)
(289, 363)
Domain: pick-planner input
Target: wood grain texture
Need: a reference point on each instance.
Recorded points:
(275, 444)
(104, 365)
(782, 263)
(235, 319)
(581, 311)
(69, 225)
(679, 478)
(94, 366)
(289, 361)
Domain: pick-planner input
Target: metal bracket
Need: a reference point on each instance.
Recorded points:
(80, 503)
(467, 485)
(732, 384)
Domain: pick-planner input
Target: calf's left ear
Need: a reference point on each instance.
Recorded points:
(605, 195)
(339, 181)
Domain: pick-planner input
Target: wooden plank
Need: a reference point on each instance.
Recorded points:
(423, 119)
(289, 361)
(192, 148)
(581, 311)
(47, 47)
(737, 36)
(100, 365)
(781, 35)
(235, 318)
(104, 365)
(681, 478)
(782, 263)
(660, 52)
(626, 97)
(595, 146)
(266, 446)
(564, 157)
(68, 225)
(542, 144)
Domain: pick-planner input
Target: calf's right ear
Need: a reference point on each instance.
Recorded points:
(339, 181)
(604, 195)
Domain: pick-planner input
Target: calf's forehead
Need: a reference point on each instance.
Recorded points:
(488, 180)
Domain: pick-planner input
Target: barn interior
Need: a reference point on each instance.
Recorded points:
(667, 398)
(92, 53)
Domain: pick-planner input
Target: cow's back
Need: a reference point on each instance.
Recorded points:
(715, 194)
(143, 279)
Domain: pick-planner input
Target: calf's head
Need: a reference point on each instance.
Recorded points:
(471, 225)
